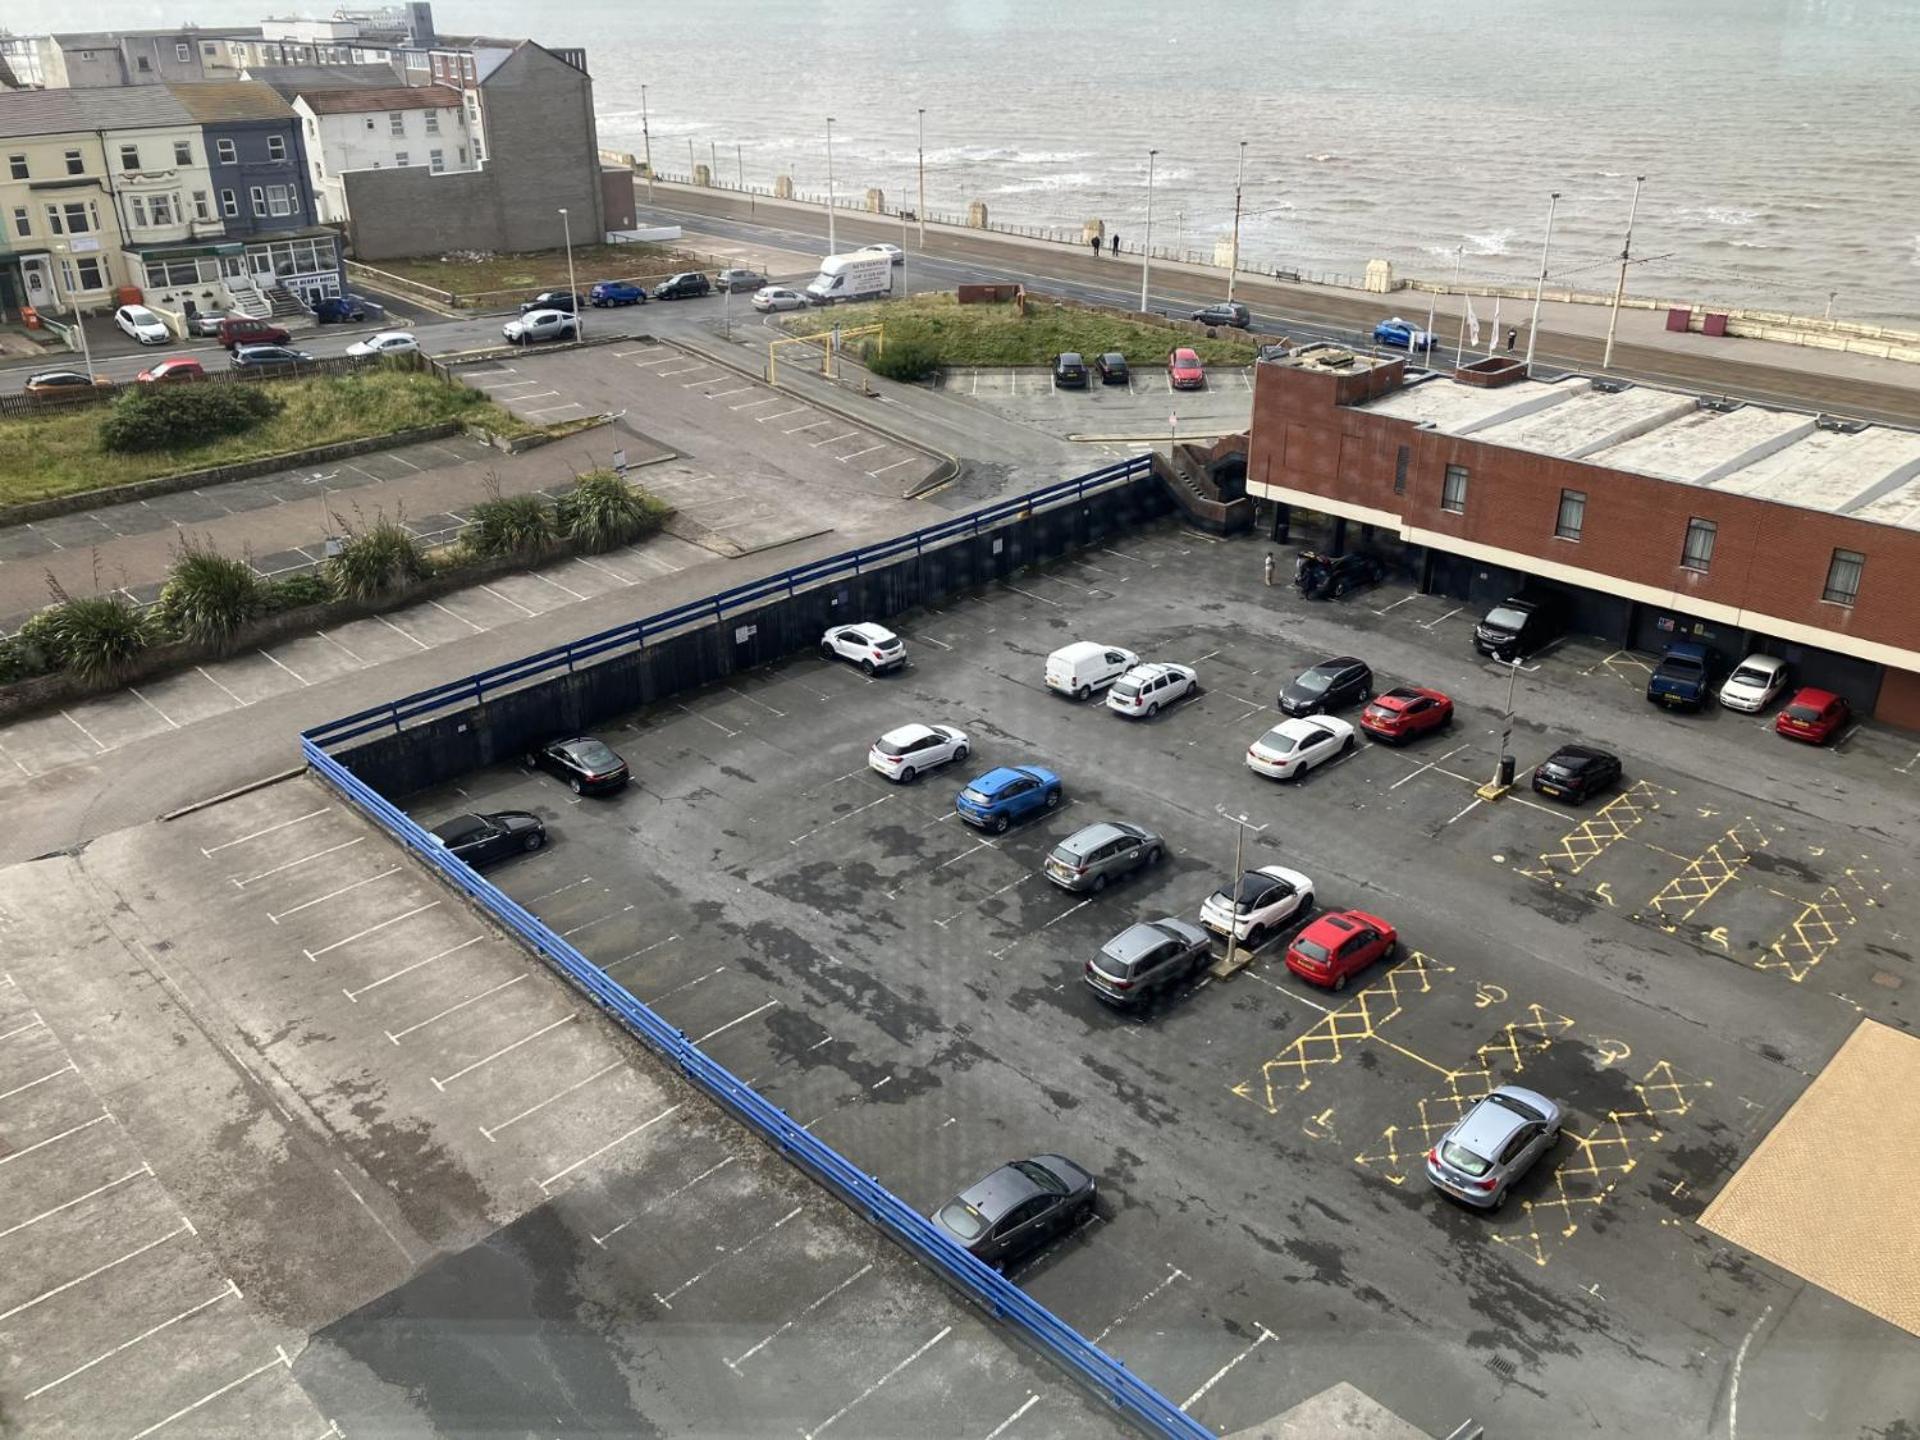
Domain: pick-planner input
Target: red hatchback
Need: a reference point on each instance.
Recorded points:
(1814, 716)
(1339, 945)
(1404, 712)
(1184, 370)
(179, 367)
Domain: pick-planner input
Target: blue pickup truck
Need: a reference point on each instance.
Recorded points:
(1684, 677)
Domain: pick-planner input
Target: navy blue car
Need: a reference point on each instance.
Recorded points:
(1013, 792)
(1683, 680)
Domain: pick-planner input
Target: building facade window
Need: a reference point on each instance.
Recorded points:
(137, 206)
(1400, 463)
(229, 203)
(277, 203)
(437, 161)
(129, 157)
(182, 152)
(396, 122)
(259, 197)
(473, 106)
(276, 147)
(22, 221)
(401, 159)
(143, 65)
(84, 272)
(17, 164)
(75, 217)
(75, 165)
(166, 209)
(1843, 577)
(228, 154)
(1453, 489)
(1573, 515)
(433, 122)
(183, 53)
(463, 156)
(1697, 554)
(202, 208)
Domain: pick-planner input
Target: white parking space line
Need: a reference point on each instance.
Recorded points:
(84, 731)
(1174, 1272)
(417, 641)
(802, 429)
(1031, 596)
(667, 359)
(751, 701)
(833, 439)
(354, 995)
(185, 1228)
(564, 590)
(289, 865)
(558, 1175)
(868, 1392)
(683, 370)
(674, 1194)
(493, 1133)
(746, 1244)
(1472, 805)
(232, 1290)
(746, 1355)
(477, 629)
(644, 350)
(52, 1139)
(715, 723)
(737, 1020)
(212, 1396)
(831, 823)
(255, 835)
(313, 955)
(1221, 1374)
(843, 459)
(1398, 603)
(134, 690)
(53, 1075)
(267, 654)
(144, 1170)
(756, 404)
(723, 394)
(589, 924)
(684, 984)
(1429, 624)
(373, 1215)
(780, 415)
(1001, 1428)
(1065, 913)
(396, 1036)
(440, 1083)
(895, 466)
(556, 409)
(33, 1024)
(508, 599)
(277, 916)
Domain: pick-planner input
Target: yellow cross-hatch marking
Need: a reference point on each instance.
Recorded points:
(1596, 834)
(1813, 934)
(1707, 874)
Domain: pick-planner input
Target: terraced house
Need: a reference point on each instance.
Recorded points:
(62, 246)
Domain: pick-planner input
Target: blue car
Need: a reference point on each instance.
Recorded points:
(1013, 792)
(617, 292)
(1402, 335)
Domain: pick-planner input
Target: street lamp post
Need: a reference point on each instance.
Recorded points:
(921, 213)
(1241, 825)
(1233, 256)
(79, 320)
(646, 139)
(1146, 253)
(1546, 245)
(1620, 290)
(831, 249)
(566, 226)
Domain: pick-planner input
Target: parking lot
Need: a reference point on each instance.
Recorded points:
(1671, 963)
(1140, 409)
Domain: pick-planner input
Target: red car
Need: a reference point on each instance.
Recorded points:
(179, 367)
(1814, 716)
(1339, 945)
(1404, 712)
(1184, 371)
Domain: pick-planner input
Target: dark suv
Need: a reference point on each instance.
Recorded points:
(683, 286)
(1227, 312)
(1324, 577)
(1069, 371)
(1343, 680)
(1520, 625)
(1683, 679)
(565, 300)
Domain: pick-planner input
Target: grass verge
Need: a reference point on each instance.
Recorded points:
(541, 269)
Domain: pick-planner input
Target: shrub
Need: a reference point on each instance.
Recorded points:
(373, 561)
(602, 512)
(38, 640)
(174, 417)
(20, 661)
(510, 525)
(293, 592)
(908, 360)
(209, 596)
(96, 635)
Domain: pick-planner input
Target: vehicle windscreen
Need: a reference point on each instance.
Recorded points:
(1279, 741)
(1314, 681)
(1311, 950)
(1805, 714)
(593, 755)
(963, 1220)
(887, 747)
(1747, 675)
(1464, 1160)
(1505, 617)
(1127, 689)
(1682, 665)
(1041, 1176)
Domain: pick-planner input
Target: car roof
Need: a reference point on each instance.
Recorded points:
(460, 826)
(904, 734)
(1114, 355)
(1136, 940)
(1329, 929)
(1582, 753)
(1338, 663)
(1092, 837)
(1808, 695)
(1773, 664)
(1491, 1123)
(994, 1195)
(1072, 356)
(1083, 650)
(1302, 727)
(872, 631)
(1186, 352)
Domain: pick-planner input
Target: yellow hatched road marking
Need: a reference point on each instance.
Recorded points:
(1596, 834)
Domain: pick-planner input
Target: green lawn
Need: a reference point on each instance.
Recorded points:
(542, 269)
(1000, 335)
(59, 453)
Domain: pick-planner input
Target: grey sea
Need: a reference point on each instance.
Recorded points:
(1778, 137)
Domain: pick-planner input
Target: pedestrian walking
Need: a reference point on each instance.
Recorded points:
(1095, 242)
(1269, 567)
(1512, 336)
(1116, 242)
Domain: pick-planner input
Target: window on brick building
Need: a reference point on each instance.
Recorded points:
(1843, 577)
(1697, 554)
(1453, 489)
(1573, 514)
(1400, 463)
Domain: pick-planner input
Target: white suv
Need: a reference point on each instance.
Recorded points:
(1258, 903)
(871, 647)
(1146, 690)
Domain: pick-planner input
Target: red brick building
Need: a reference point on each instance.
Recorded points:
(1661, 514)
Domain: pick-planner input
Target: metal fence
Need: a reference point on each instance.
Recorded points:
(1092, 1367)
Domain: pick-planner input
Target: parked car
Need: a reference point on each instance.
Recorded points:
(1402, 335)
(1337, 946)
(268, 357)
(1184, 370)
(1495, 1143)
(1683, 680)
(341, 309)
(386, 342)
(1113, 368)
(1278, 350)
(541, 325)
(893, 252)
(1069, 371)
(1227, 312)
(142, 324)
(872, 647)
(909, 752)
(1018, 1208)
(1083, 667)
(617, 292)
(482, 839)
(204, 324)
(237, 330)
(1146, 690)
(1096, 855)
(1258, 903)
(64, 384)
(1293, 747)
(1521, 625)
(1342, 680)
(1573, 772)
(739, 278)
(1815, 716)
(567, 300)
(1144, 959)
(174, 367)
(1327, 577)
(1406, 712)
(589, 766)
(1756, 682)
(1013, 792)
(778, 297)
(686, 285)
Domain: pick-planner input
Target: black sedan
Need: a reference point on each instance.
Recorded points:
(1069, 371)
(1018, 1208)
(1573, 772)
(1113, 368)
(686, 285)
(565, 300)
(268, 357)
(1327, 686)
(588, 765)
(482, 839)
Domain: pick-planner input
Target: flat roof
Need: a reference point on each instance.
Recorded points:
(1456, 409)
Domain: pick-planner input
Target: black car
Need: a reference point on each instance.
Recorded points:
(1325, 577)
(482, 839)
(267, 357)
(1520, 625)
(683, 286)
(1573, 772)
(588, 765)
(565, 300)
(1227, 312)
(1018, 1208)
(1069, 371)
(1144, 959)
(1326, 687)
(1113, 368)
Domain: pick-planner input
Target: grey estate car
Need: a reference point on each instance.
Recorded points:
(1493, 1145)
(1090, 858)
(1146, 958)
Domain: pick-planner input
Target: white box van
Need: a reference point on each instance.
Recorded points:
(860, 275)
(1084, 667)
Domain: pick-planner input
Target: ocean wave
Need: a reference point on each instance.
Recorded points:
(1494, 242)
(1325, 158)
(1042, 184)
(1720, 214)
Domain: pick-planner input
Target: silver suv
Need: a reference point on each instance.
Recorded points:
(1496, 1142)
(1088, 859)
(1146, 958)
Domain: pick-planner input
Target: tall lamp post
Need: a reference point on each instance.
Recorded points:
(1546, 245)
(1233, 257)
(646, 139)
(1146, 254)
(79, 320)
(1241, 826)
(832, 249)
(921, 213)
(1626, 253)
(566, 226)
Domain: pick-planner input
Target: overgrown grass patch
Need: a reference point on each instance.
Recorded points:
(540, 269)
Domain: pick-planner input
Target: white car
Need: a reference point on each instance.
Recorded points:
(1146, 690)
(912, 750)
(541, 325)
(1260, 902)
(778, 297)
(1756, 682)
(1293, 747)
(892, 252)
(872, 647)
(142, 324)
(386, 342)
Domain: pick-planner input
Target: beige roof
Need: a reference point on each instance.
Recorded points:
(399, 97)
(213, 100)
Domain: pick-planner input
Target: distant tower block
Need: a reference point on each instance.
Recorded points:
(702, 175)
(1093, 230)
(877, 201)
(783, 187)
(1379, 277)
(977, 214)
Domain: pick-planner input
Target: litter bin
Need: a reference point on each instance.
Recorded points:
(1506, 770)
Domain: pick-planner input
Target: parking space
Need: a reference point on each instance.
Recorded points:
(1669, 962)
(1146, 406)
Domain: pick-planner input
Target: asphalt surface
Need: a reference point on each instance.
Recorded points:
(1672, 965)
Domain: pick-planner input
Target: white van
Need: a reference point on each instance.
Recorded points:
(858, 275)
(1084, 667)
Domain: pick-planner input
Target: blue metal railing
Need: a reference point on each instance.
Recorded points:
(476, 687)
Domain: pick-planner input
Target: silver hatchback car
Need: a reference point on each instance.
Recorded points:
(1495, 1143)
(1091, 858)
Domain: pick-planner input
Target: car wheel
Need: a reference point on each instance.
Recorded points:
(1000, 823)
(1256, 937)
(866, 668)
(1053, 800)
(1153, 709)
(907, 775)
(533, 841)
(1153, 856)
(1393, 949)
(533, 761)
(1339, 983)
(1553, 1137)
(1346, 745)
(826, 649)
(960, 752)
(577, 787)
(1099, 883)
(1499, 1199)
(1083, 694)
